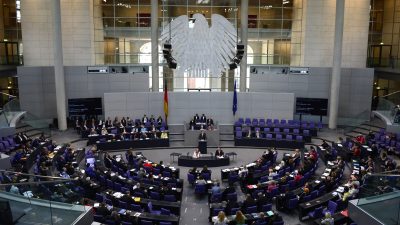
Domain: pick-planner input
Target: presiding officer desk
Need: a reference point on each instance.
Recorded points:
(210, 161)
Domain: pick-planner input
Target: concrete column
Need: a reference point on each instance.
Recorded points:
(154, 45)
(337, 64)
(59, 68)
(244, 11)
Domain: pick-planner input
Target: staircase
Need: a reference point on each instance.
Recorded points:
(374, 125)
(30, 131)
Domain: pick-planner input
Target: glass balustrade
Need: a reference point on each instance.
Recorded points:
(30, 199)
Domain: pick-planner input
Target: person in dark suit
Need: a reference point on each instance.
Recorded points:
(123, 121)
(230, 205)
(196, 118)
(228, 190)
(261, 200)
(102, 210)
(202, 136)
(210, 122)
(127, 198)
(159, 120)
(203, 118)
(248, 202)
(152, 119)
(108, 122)
(192, 124)
(145, 119)
(219, 152)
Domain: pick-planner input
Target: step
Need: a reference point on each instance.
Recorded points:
(175, 128)
(176, 140)
(226, 136)
(361, 131)
(367, 127)
(375, 123)
(352, 134)
(226, 143)
(175, 137)
(225, 133)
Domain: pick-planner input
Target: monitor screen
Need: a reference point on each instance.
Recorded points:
(312, 106)
(85, 107)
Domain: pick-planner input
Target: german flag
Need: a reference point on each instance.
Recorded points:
(165, 100)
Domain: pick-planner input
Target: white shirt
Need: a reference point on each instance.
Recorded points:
(196, 154)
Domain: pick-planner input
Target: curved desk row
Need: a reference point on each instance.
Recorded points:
(210, 161)
(147, 143)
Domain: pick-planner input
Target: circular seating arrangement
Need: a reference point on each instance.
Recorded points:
(127, 188)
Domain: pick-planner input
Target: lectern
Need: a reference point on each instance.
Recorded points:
(203, 146)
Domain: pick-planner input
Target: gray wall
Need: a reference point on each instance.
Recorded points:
(184, 105)
(355, 90)
(37, 89)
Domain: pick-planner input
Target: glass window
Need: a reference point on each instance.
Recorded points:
(123, 32)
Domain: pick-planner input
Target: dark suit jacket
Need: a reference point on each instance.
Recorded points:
(103, 211)
(202, 136)
(219, 153)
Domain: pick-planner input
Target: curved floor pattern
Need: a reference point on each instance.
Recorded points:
(195, 210)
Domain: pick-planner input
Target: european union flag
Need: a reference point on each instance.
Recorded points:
(234, 106)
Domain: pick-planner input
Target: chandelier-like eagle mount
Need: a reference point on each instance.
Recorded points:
(198, 49)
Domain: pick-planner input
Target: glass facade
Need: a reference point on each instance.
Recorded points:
(122, 34)
(10, 33)
(384, 31)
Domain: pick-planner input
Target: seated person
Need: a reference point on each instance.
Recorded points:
(327, 220)
(325, 145)
(203, 118)
(104, 131)
(219, 152)
(210, 122)
(205, 169)
(239, 218)
(102, 210)
(145, 119)
(196, 153)
(164, 135)
(201, 180)
(159, 120)
(196, 118)
(248, 133)
(248, 202)
(257, 134)
(216, 189)
(261, 219)
(360, 139)
(220, 219)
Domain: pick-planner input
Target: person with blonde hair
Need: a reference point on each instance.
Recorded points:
(240, 219)
(220, 219)
(328, 220)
